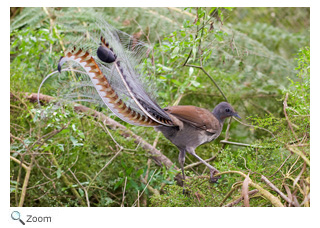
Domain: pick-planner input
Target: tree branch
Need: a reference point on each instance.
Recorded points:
(158, 158)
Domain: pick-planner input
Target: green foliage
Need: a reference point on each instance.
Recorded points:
(33, 55)
(300, 89)
(274, 148)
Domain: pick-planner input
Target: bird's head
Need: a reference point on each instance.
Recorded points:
(224, 110)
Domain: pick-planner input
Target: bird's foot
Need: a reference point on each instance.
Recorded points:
(186, 191)
(213, 178)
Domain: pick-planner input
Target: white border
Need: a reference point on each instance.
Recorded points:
(166, 217)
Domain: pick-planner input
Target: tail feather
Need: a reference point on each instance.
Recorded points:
(104, 89)
(116, 78)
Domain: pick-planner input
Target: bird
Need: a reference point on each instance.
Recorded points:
(113, 73)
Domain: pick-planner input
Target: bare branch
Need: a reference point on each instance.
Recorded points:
(283, 196)
(245, 191)
(251, 193)
(155, 154)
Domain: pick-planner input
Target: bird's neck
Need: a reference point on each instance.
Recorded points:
(217, 114)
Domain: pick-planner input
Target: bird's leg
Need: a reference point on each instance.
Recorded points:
(182, 156)
(213, 170)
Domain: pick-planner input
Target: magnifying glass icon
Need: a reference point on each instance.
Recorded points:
(16, 216)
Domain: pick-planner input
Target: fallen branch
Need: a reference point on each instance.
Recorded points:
(283, 196)
(155, 154)
(251, 193)
(242, 144)
(274, 200)
(245, 191)
(26, 178)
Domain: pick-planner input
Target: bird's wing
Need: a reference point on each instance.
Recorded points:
(195, 116)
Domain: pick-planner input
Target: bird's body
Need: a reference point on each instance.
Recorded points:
(118, 84)
(199, 126)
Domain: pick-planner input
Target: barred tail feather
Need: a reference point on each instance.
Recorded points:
(130, 80)
(105, 91)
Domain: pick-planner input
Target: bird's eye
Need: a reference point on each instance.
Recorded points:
(227, 110)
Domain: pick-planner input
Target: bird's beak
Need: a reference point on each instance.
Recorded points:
(236, 115)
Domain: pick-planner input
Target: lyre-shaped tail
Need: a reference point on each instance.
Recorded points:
(130, 81)
(108, 94)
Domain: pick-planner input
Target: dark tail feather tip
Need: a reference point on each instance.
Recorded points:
(59, 65)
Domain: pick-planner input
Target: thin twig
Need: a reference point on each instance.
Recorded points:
(251, 193)
(106, 130)
(281, 165)
(124, 192)
(273, 199)
(214, 82)
(233, 188)
(242, 144)
(83, 188)
(285, 106)
(283, 196)
(105, 166)
(159, 158)
(144, 188)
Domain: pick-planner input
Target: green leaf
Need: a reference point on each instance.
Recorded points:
(191, 71)
(176, 82)
(195, 83)
(61, 147)
(81, 192)
(58, 172)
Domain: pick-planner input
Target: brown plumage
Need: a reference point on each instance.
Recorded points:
(198, 126)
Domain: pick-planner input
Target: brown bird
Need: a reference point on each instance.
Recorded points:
(114, 75)
(199, 126)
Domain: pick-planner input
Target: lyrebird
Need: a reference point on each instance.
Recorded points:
(112, 68)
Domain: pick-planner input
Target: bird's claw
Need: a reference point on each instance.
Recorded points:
(214, 179)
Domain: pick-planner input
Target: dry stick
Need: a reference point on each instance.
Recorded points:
(151, 189)
(26, 178)
(28, 171)
(261, 128)
(84, 189)
(19, 162)
(155, 154)
(241, 144)
(289, 194)
(106, 130)
(245, 191)
(144, 188)
(25, 183)
(199, 163)
(281, 165)
(54, 28)
(233, 188)
(124, 192)
(274, 200)
(204, 71)
(285, 106)
(67, 182)
(251, 193)
(25, 105)
(283, 196)
(299, 175)
(293, 149)
(105, 166)
(306, 200)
